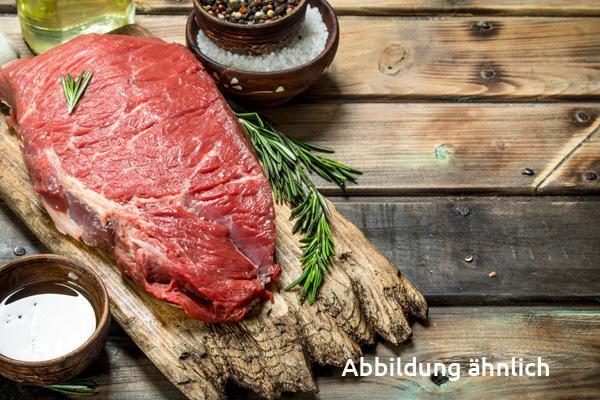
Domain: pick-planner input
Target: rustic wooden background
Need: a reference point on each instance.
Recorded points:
(443, 104)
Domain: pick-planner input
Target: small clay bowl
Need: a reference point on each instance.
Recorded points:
(268, 89)
(53, 268)
(250, 39)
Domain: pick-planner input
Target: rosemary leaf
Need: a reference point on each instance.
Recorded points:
(73, 88)
(285, 161)
(75, 387)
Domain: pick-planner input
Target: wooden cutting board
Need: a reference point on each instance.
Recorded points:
(271, 351)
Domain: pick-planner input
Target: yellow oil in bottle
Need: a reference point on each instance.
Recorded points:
(47, 23)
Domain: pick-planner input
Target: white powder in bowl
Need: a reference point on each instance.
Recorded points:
(310, 42)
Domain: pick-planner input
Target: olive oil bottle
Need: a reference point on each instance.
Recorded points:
(47, 23)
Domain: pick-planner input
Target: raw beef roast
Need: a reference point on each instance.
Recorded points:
(151, 166)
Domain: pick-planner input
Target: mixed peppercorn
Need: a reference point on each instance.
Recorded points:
(249, 11)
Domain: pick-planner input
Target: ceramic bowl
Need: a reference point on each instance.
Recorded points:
(53, 268)
(250, 39)
(267, 89)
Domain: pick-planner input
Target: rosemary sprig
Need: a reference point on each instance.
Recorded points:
(75, 387)
(285, 161)
(74, 88)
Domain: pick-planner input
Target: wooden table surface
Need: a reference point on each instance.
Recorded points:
(443, 104)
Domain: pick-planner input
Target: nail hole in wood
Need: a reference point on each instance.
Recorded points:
(439, 379)
(528, 172)
(582, 116)
(483, 26)
(590, 176)
(392, 59)
(485, 29)
(461, 210)
(488, 73)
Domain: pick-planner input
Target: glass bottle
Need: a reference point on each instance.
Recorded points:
(47, 23)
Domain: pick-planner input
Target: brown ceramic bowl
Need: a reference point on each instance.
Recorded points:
(53, 268)
(267, 89)
(250, 39)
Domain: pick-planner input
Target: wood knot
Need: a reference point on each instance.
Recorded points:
(583, 117)
(443, 152)
(439, 379)
(488, 73)
(392, 59)
(462, 210)
(590, 176)
(484, 29)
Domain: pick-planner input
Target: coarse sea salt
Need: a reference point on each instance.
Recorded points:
(311, 40)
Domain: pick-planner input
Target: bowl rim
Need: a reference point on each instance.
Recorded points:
(329, 44)
(103, 319)
(250, 26)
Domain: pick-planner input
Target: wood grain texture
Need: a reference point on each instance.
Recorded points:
(464, 7)
(442, 148)
(568, 339)
(401, 7)
(579, 171)
(543, 249)
(465, 59)
(458, 58)
(269, 352)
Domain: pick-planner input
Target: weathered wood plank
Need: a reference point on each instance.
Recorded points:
(465, 58)
(401, 7)
(457, 58)
(469, 7)
(579, 171)
(440, 148)
(568, 339)
(542, 249)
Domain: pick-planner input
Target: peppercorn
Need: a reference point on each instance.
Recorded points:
(249, 11)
